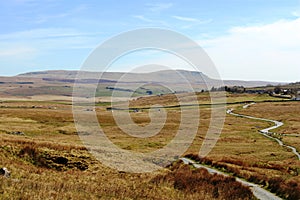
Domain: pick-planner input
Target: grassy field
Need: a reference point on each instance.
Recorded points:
(246, 153)
(49, 161)
(287, 112)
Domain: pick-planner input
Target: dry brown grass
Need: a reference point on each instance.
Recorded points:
(286, 112)
(244, 152)
(40, 170)
(50, 171)
(191, 181)
(286, 188)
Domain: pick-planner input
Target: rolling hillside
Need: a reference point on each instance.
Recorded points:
(60, 82)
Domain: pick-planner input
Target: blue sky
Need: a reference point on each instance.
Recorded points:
(246, 39)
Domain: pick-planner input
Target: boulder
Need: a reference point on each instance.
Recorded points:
(4, 172)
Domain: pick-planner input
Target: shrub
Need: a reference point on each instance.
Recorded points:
(284, 188)
(189, 180)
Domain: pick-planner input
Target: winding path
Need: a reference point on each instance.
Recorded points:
(266, 132)
(257, 190)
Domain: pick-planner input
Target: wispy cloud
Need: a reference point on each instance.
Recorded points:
(44, 18)
(143, 18)
(48, 39)
(37, 47)
(68, 13)
(158, 7)
(190, 22)
(24, 1)
(45, 33)
(33, 3)
(17, 51)
(151, 22)
(152, 9)
(187, 19)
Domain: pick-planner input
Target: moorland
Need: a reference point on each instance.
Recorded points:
(41, 147)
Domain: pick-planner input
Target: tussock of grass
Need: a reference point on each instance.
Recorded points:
(286, 188)
(39, 172)
(189, 180)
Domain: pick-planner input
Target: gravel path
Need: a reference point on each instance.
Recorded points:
(257, 190)
(267, 131)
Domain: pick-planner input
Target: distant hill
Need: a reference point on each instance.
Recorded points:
(60, 83)
(166, 76)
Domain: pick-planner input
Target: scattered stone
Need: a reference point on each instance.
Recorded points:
(17, 133)
(4, 172)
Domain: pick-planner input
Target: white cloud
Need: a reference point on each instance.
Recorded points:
(67, 13)
(265, 52)
(187, 19)
(45, 18)
(33, 48)
(143, 18)
(50, 38)
(158, 7)
(151, 22)
(18, 51)
(190, 22)
(39, 49)
(24, 1)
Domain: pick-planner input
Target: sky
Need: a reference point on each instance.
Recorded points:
(246, 39)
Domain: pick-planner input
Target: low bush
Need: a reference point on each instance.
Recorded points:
(287, 189)
(189, 180)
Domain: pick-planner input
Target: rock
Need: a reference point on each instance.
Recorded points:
(17, 133)
(4, 172)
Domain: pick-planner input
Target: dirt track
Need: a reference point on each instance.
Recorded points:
(267, 131)
(257, 190)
